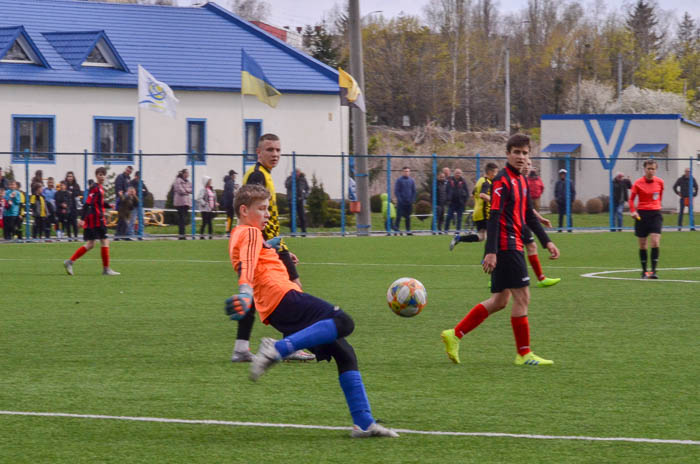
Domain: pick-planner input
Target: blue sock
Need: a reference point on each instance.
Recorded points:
(356, 397)
(319, 333)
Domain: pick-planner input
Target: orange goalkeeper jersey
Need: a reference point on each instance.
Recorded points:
(650, 193)
(259, 266)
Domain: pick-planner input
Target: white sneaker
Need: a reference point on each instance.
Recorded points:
(301, 355)
(374, 430)
(266, 357)
(242, 356)
(110, 271)
(68, 264)
(455, 241)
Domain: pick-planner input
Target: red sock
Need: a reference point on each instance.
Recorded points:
(104, 251)
(78, 253)
(536, 266)
(472, 320)
(521, 330)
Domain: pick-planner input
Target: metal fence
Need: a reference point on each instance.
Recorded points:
(586, 174)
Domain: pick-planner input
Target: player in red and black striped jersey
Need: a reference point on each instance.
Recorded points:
(95, 225)
(504, 260)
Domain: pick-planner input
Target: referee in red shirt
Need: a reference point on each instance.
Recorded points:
(504, 259)
(649, 190)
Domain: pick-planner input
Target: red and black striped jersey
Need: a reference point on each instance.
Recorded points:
(511, 209)
(95, 207)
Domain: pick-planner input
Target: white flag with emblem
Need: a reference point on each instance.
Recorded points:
(155, 95)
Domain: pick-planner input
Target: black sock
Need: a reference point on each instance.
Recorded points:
(643, 259)
(654, 258)
(469, 238)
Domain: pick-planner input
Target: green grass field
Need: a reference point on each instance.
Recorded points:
(154, 342)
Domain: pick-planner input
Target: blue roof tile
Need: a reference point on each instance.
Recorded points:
(187, 48)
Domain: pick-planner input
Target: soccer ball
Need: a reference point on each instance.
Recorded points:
(407, 297)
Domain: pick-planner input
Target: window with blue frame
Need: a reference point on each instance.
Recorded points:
(33, 135)
(253, 131)
(196, 140)
(114, 139)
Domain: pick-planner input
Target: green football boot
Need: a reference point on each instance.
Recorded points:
(531, 359)
(547, 282)
(451, 344)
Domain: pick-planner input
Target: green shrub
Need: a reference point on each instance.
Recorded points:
(577, 207)
(282, 204)
(317, 203)
(375, 203)
(423, 209)
(594, 206)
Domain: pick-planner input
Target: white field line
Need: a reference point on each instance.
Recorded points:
(604, 275)
(329, 427)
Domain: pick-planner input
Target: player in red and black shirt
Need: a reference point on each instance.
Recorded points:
(94, 224)
(649, 221)
(504, 260)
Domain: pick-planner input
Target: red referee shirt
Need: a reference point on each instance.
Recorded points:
(650, 193)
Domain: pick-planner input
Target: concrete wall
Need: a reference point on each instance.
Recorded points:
(306, 124)
(591, 179)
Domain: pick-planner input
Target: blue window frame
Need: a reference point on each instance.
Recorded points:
(33, 134)
(197, 140)
(252, 131)
(114, 140)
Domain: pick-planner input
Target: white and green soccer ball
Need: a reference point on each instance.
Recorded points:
(407, 297)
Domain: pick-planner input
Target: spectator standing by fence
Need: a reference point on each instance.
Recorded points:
(302, 192)
(144, 191)
(182, 200)
(621, 186)
(206, 200)
(457, 194)
(535, 187)
(40, 212)
(560, 196)
(121, 184)
(49, 193)
(405, 193)
(74, 206)
(11, 213)
(4, 181)
(228, 197)
(682, 189)
(128, 204)
(63, 199)
(441, 200)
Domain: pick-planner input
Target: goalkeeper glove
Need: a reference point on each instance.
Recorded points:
(239, 304)
(275, 243)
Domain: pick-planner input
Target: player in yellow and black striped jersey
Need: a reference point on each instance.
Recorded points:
(482, 207)
(269, 152)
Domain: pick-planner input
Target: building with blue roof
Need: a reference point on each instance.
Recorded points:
(69, 78)
(597, 146)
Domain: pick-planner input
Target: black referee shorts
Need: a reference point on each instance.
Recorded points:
(510, 272)
(95, 233)
(650, 222)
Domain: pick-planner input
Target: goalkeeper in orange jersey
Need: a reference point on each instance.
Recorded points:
(304, 320)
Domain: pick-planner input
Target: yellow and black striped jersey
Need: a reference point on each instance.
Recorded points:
(259, 174)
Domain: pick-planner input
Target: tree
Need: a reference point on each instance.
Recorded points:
(638, 100)
(250, 10)
(321, 45)
(642, 23)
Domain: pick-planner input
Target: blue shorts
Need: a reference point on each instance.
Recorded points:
(299, 310)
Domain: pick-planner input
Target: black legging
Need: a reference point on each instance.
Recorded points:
(72, 223)
(181, 218)
(207, 217)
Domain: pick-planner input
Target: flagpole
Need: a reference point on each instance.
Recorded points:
(245, 148)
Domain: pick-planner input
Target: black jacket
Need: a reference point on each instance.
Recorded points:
(441, 189)
(620, 191)
(560, 191)
(681, 187)
(457, 191)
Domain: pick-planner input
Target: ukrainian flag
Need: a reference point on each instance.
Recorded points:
(254, 82)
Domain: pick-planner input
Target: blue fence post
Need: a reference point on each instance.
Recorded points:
(85, 173)
(568, 193)
(28, 189)
(434, 189)
(389, 228)
(193, 215)
(294, 199)
(141, 225)
(691, 213)
(611, 205)
(478, 166)
(342, 194)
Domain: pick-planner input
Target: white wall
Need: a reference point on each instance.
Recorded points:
(592, 179)
(307, 124)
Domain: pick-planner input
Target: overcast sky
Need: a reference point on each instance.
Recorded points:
(300, 12)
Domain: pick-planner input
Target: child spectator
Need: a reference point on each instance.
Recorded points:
(49, 193)
(63, 200)
(128, 203)
(11, 212)
(40, 212)
(207, 205)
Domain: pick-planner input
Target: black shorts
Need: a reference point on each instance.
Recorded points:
(481, 225)
(299, 310)
(527, 235)
(286, 258)
(95, 233)
(510, 272)
(651, 222)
